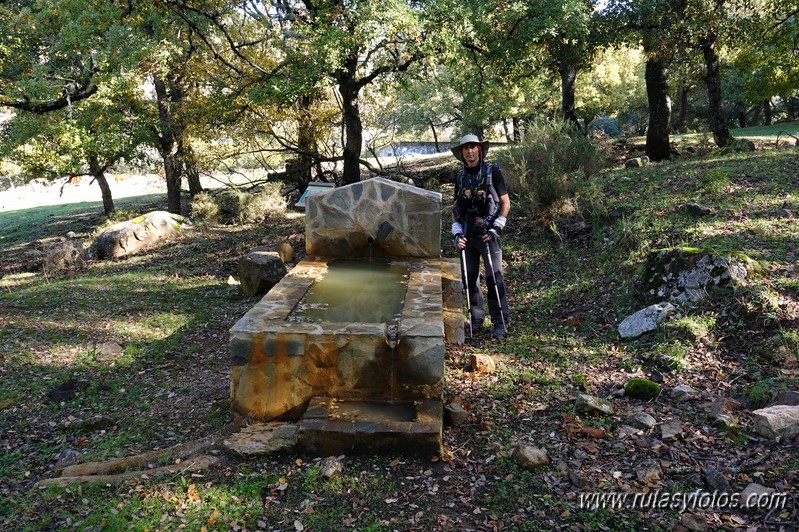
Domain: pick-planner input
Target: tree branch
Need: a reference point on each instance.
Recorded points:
(69, 95)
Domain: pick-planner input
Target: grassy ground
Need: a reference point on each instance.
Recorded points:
(569, 288)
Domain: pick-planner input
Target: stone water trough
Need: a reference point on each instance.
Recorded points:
(368, 385)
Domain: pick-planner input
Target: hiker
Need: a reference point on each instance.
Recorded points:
(478, 217)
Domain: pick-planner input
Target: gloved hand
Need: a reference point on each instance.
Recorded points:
(499, 224)
(457, 232)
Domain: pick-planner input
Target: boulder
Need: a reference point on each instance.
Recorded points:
(259, 271)
(455, 415)
(482, 363)
(331, 467)
(642, 421)
(696, 209)
(530, 457)
(754, 494)
(777, 421)
(671, 431)
(636, 162)
(642, 389)
(686, 274)
(645, 320)
(593, 405)
(132, 236)
(682, 393)
(649, 471)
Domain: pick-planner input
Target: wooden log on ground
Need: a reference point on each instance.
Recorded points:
(194, 464)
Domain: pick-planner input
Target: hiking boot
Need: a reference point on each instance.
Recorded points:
(477, 324)
(499, 332)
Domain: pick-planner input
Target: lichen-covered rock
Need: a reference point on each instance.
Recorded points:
(686, 274)
(777, 421)
(636, 162)
(132, 236)
(642, 389)
(593, 405)
(645, 320)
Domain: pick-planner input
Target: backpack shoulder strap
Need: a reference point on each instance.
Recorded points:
(490, 181)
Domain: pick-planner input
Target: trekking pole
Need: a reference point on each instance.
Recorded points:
(496, 288)
(466, 283)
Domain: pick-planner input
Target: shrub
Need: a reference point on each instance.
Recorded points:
(760, 394)
(714, 181)
(255, 207)
(205, 209)
(64, 256)
(552, 169)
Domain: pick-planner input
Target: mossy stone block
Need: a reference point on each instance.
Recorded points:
(642, 389)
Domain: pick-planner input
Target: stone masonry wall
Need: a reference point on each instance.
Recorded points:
(376, 216)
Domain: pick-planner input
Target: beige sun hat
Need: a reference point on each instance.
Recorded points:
(468, 139)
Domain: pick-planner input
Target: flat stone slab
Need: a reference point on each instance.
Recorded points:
(334, 427)
(263, 438)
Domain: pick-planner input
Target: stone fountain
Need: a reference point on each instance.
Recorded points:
(367, 385)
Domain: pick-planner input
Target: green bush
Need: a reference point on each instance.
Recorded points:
(552, 169)
(205, 209)
(714, 181)
(255, 207)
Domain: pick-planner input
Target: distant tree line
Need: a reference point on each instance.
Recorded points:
(315, 84)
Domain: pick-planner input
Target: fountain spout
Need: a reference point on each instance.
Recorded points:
(392, 335)
(370, 239)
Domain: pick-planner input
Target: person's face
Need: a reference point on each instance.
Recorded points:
(471, 154)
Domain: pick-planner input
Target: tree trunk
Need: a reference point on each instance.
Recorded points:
(721, 133)
(517, 131)
(682, 116)
(306, 141)
(189, 161)
(740, 110)
(657, 91)
(568, 77)
(167, 146)
(767, 111)
(435, 135)
(353, 130)
(792, 107)
(98, 173)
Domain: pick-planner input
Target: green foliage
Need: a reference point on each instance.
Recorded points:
(691, 328)
(759, 394)
(756, 300)
(553, 170)
(667, 356)
(713, 181)
(613, 85)
(205, 209)
(252, 208)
